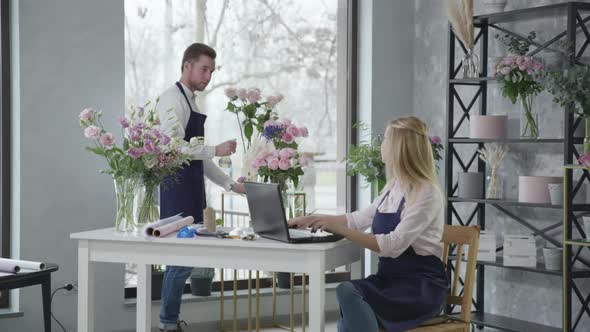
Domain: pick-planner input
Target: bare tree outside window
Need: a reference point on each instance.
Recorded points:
(286, 46)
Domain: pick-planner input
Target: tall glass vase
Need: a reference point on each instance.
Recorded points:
(124, 194)
(470, 64)
(529, 119)
(146, 208)
(587, 134)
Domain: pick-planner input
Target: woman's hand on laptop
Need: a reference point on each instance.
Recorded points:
(332, 224)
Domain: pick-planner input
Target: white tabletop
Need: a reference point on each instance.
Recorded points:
(109, 234)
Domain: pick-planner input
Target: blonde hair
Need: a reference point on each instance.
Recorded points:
(409, 158)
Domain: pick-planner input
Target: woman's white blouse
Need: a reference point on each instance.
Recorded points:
(421, 225)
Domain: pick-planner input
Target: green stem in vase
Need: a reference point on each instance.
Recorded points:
(148, 210)
(531, 126)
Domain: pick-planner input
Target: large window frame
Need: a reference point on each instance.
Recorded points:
(347, 26)
(5, 140)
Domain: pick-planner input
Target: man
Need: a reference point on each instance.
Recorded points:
(181, 118)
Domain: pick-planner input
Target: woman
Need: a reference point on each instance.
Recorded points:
(407, 224)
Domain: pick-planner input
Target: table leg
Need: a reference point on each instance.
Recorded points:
(317, 295)
(46, 291)
(144, 298)
(85, 288)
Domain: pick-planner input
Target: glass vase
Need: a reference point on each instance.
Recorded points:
(587, 135)
(494, 187)
(529, 119)
(124, 194)
(470, 64)
(146, 206)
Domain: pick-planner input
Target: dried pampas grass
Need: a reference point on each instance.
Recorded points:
(462, 20)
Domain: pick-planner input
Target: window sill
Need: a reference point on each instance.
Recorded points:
(241, 294)
(6, 313)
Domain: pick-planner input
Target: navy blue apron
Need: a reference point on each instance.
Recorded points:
(407, 290)
(186, 194)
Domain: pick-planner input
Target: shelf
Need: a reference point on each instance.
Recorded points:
(471, 81)
(575, 207)
(509, 324)
(528, 13)
(466, 140)
(540, 268)
(578, 242)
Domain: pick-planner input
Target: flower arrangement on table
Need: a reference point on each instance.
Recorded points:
(521, 77)
(365, 159)
(139, 165)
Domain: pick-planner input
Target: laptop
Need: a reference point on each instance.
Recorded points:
(268, 216)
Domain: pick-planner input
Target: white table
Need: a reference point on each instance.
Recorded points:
(104, 245)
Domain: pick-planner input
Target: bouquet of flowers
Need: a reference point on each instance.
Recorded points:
(520, 76)
(138, 166)
(281, 162)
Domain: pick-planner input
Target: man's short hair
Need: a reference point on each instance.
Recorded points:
(194, 51)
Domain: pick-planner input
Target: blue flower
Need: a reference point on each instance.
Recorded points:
(272, 131)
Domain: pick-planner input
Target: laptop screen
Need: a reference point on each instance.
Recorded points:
(266, 210)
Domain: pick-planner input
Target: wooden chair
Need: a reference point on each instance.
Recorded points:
(460, 236)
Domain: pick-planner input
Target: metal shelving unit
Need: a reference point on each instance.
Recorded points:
(575, 23)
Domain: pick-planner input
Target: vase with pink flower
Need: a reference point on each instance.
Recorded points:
(520, 77)
(138, 166)
(252, 112)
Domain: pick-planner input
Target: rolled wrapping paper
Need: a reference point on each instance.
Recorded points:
(9, 267)
(173, 226)
(29, 265)
(149, 228)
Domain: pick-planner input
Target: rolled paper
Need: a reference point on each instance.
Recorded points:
(29, 265)
(149, 228)
(9, 267)
(173, 226)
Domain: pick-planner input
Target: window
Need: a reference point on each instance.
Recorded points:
(5, 135)
(296, 48)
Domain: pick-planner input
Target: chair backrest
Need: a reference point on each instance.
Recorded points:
(462, 236)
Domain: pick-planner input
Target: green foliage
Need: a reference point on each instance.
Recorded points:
(571, 89)
(517, 45)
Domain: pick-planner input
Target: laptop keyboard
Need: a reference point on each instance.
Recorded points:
(304, 233)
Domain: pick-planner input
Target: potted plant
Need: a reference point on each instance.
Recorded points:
(201, 281)
(571, 90)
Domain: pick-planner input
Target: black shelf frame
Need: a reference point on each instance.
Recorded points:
(577, 18)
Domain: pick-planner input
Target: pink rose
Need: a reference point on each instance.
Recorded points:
(287, 153)
(253, 95)
(273, 164)
(135, 152)
(242, 94)
(272, 101)
(165, 139)
(231, 93)
(123, 122)
(258, 162)
(149, 146)
(284, 164)
(155, 133)
(435, 140)
(505, 70)
(522, 67)
(86, 114)
(294, 131)
(92, 132)
(303, 131)
(287, 138)
(134, 134)
(508, 61)
(585, 160)
(530, 71)
(286, 122)
(108, 140)
(519, 60)
(271, 156)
